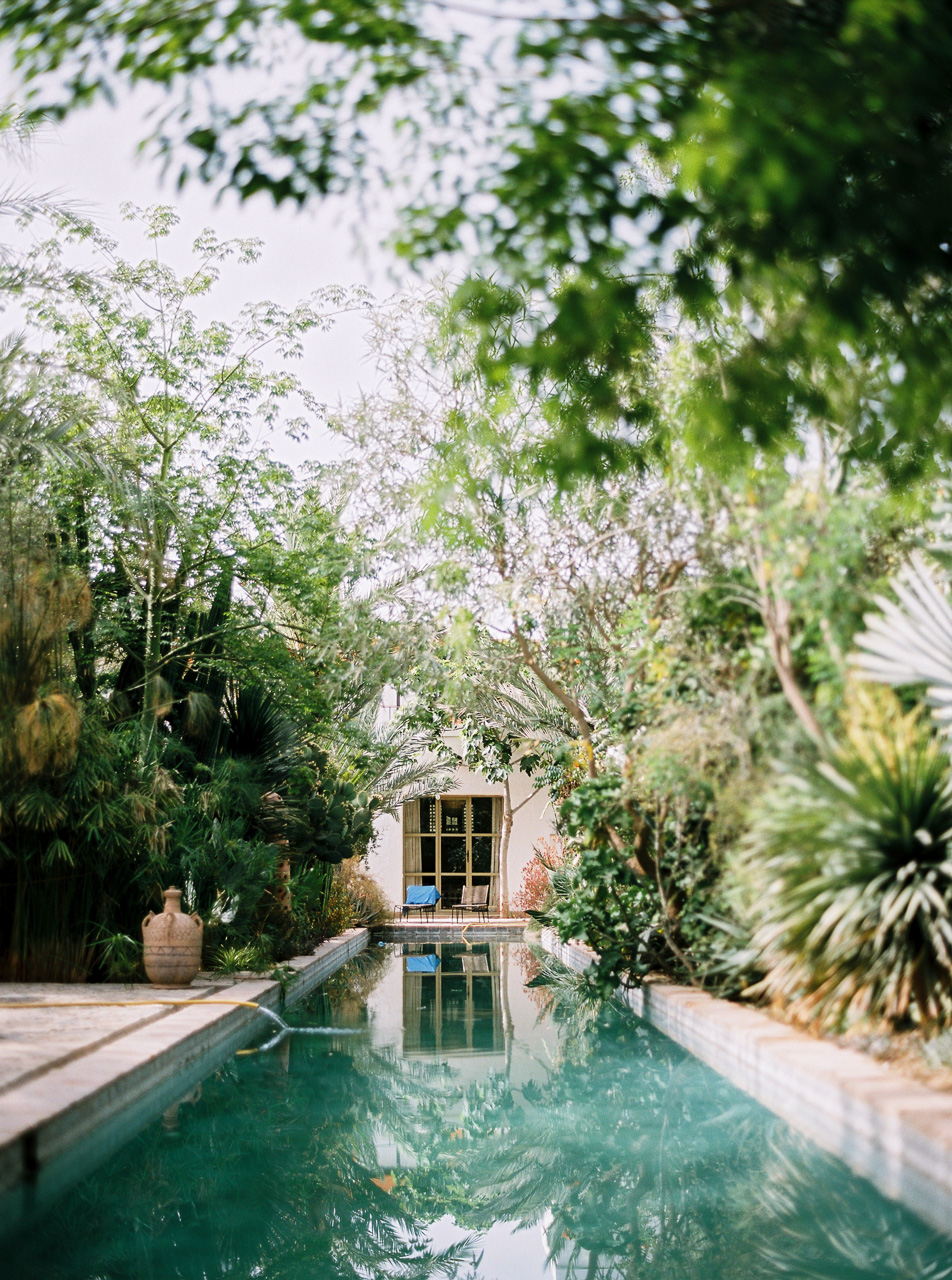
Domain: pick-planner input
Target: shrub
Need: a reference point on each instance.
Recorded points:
(369, 903)
(338, 914)
(535, 890)
(849, 870)
(251, 958)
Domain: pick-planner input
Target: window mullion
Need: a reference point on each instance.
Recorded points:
(468, 823)
(438, 862)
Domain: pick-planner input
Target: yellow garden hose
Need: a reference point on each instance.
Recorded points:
(128, 1004)
(114, 1004)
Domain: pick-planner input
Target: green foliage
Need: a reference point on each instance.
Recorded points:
(258, 729)
(333, 823)
(120, 957)
(217, 851)
(322, 908)
(195, 540)
(71, 845)
(251, 958)
(849, 868)
(799, 232)
(605, 901)
(169, 616)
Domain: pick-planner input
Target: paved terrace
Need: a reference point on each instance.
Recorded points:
(76, 1082)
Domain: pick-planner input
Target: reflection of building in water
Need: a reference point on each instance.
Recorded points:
(453, 1006)
(463, 1007)
(500, 1030)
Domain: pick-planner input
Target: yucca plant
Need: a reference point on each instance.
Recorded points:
(850, 867)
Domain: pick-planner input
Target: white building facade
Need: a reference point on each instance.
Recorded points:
(456, 839)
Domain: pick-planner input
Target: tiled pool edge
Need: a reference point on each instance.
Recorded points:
(76, 1113)
(894, 1132)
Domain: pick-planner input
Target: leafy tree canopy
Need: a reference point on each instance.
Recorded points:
(784, 168)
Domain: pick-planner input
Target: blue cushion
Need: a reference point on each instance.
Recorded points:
(423, 964)
(422, 895)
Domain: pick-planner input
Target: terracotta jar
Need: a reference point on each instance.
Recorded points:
(172, 950)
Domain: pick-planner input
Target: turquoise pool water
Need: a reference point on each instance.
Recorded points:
(471, 1128)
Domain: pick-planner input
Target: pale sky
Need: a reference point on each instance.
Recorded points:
(91, 159)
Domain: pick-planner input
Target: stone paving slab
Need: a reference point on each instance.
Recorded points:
(33, 1040)
(70, 1079)
(894, 1131)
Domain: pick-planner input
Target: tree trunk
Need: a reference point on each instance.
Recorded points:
(507, 818)
(775, 612)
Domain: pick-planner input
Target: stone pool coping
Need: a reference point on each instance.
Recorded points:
(891, 1130)
(59, 1119)
(503, 929)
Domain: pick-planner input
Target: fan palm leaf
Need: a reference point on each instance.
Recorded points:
(260, 731)
(909, 641)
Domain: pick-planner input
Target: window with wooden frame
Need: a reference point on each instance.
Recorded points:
(453, 842)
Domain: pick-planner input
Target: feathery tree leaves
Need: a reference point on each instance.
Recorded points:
(784, 168)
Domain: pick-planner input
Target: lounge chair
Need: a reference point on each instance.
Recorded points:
(422, 898)
(479, 902)
(465, 902)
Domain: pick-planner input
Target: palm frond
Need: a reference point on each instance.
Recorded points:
(390, 760)
(522, 706)
(32, 429)
(407, 780)
(909, 641)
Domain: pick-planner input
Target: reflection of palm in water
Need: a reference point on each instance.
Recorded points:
(604, 1155)
(817, 1230)
(632, 1158)
(275, 1178)
(637, 1161)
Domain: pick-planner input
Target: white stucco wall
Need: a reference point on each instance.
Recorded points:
(532, 819)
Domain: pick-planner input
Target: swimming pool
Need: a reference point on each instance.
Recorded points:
(461, 1125)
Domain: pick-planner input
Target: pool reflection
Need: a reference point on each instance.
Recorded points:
(478, 1131)
(452, 1003)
